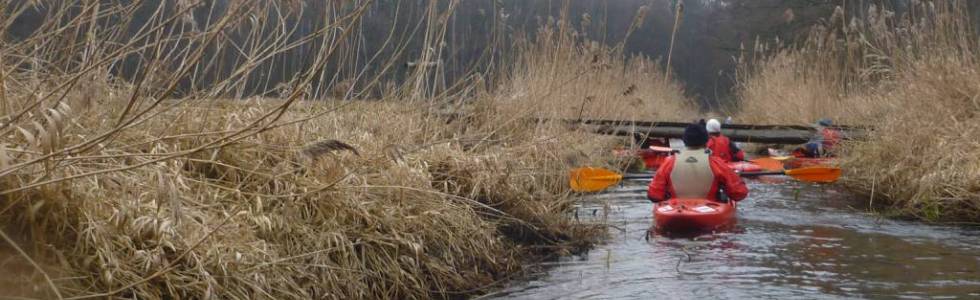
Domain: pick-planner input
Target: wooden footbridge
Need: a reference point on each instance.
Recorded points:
(747, 133)
(769, 134)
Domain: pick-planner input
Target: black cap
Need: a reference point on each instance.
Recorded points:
(695, 135)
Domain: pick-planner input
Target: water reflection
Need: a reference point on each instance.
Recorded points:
(792, 241)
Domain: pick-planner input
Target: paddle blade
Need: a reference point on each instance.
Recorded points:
(768, 163)
(592, 179)
(815, 174)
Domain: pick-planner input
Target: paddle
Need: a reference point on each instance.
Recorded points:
(597, 179)
(808, 174)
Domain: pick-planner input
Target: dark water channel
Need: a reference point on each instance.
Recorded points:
(793, 241)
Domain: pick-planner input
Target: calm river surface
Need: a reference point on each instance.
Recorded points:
(793, 241)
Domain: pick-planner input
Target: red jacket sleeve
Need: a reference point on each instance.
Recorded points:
(735, 189)
(657, 191)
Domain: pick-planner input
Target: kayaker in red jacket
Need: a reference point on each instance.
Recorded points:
(720, 145)
(694, 173)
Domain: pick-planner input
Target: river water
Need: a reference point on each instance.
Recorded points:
(793, 241)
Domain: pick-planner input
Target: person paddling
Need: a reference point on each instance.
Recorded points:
(720, 145)
(824, 142)
(694, 173)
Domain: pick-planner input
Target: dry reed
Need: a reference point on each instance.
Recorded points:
(150, 188)
(911, 79)
(563, 75)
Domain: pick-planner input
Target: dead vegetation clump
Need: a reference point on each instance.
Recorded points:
(911, 79)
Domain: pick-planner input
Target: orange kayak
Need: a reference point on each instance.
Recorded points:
(693, 215)
(802, 162)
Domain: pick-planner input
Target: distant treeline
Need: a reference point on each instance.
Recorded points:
(479, 36)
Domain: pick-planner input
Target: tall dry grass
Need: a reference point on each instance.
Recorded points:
(785, 90)
(413, 213)
(911, 79)
(165, 185)
(561, 74)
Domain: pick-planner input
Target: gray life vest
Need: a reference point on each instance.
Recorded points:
(692, 176)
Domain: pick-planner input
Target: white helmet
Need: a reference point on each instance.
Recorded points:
(713, 126)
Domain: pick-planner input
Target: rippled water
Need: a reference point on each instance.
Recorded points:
(793, 241)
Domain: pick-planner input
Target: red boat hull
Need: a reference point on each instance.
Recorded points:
(693, 215)
(653, 159)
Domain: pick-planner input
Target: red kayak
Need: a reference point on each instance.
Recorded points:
(652, 157)
(655, 156)
(693, 215)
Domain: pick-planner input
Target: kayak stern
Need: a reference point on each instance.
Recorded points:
(693, 215)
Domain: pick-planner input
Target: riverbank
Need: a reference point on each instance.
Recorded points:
(160, 188)
(914, 84)
(329, 202)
